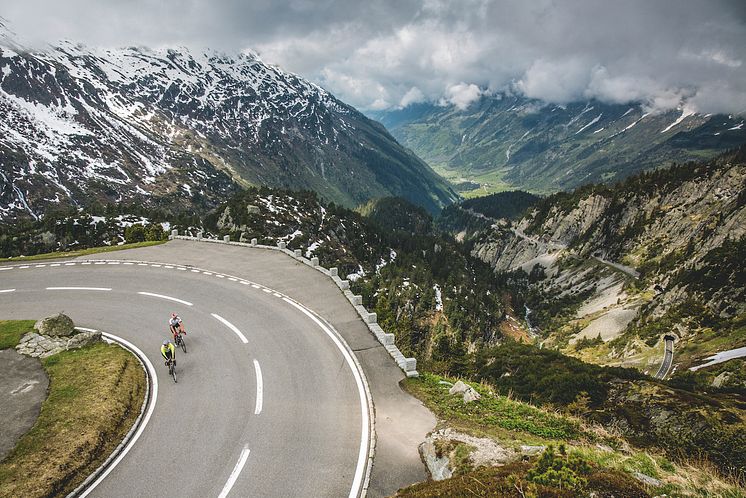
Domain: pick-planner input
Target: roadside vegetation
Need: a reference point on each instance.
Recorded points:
(95, 395)
(11, 332)
(82, 252)
(581, 458)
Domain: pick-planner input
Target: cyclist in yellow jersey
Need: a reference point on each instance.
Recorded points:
(168, 351)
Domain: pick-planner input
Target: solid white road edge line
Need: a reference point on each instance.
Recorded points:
(365, 436)
(259, 388)
(236, 471)
(80, 288)
(231, 326)
(166, 297)
(7, 290)
(145, 420)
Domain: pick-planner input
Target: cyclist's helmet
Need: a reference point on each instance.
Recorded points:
(173, 315)
(166, 342)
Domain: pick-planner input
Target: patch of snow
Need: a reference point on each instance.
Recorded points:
(312, 248)
(593, 121)
(354, 277)
(721, 357)
(438, 298)
(685, 112)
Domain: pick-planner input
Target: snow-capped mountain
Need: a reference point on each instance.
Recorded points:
(170, 127)
(532, 145)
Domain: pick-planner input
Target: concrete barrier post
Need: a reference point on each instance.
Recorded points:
(372, 318)
(226, 238)
(410, 364)
(174, 233)
(199, 235)
(282, 245)
(298, 253)
(388, 339)
(314, 261)
(333, 272)
(344, 284)
(357, 300)
(253, 242)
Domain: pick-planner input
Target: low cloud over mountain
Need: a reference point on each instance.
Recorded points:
(381, 54)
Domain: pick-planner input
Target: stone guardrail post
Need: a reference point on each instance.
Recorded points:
(298, 253)
(199, 235)
(253, 242)
(174, 233)
(226, 238)
(282, 245)
(314, 261)
(333, 272)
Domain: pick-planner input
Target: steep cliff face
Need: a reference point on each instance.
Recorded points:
(664, 245)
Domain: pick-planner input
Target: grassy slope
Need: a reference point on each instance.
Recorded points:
(83, 252)
(11, 331)
(512, 423)
(95, 394)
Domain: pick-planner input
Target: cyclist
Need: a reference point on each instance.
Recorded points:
(176, 326)
(168, 351)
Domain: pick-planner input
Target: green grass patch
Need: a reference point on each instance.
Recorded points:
(83, 252)
(11, 331)
(95, 395)
(491, 415)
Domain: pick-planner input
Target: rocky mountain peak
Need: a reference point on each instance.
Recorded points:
(137, 124)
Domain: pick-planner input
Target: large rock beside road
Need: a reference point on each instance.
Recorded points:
(56, 326)
(41, 346)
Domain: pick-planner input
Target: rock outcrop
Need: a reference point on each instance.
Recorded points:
(678, 234)
(56, 325)
(56, 333)
(485, 452)
(41, 346)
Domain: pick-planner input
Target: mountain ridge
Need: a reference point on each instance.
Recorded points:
(508, 141)
(158, 125)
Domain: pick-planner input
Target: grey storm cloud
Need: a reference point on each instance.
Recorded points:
(381, 54)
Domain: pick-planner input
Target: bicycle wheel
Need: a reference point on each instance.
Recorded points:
(173, 372)
(183, 344)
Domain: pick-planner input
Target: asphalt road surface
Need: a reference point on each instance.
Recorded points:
(277, 414)
(667, 360)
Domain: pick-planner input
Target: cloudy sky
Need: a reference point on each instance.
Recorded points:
(380, 54)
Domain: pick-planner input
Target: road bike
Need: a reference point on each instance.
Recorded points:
(179, 341)
(172, 369)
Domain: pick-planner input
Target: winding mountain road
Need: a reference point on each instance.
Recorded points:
(270, 401)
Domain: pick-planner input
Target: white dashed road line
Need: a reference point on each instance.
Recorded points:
(259, 389)
(236, 471)
(81, 288)
(6, 290)
(169, 298)
(232, 327)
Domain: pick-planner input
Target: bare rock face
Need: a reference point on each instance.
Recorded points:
(469, 393)
(41, 346)
(458, 387)
(56, 326)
